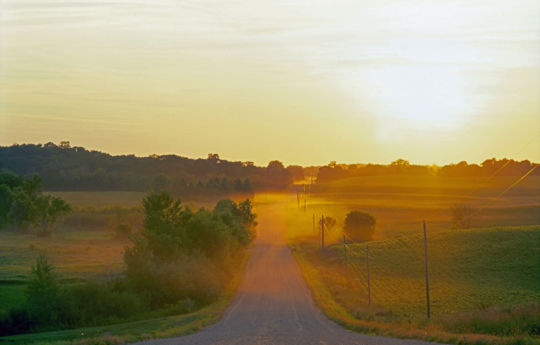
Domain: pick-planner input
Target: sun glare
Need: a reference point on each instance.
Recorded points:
(426, 95)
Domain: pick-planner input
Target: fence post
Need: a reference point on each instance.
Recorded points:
(427, 271)
(368, 278)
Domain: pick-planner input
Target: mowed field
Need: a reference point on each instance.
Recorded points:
(483, 280)
(77, 254)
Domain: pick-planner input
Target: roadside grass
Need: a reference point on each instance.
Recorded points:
(163, 327)
(485, 285)
(11, 294)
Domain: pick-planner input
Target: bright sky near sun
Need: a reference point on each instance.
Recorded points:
(304, 82)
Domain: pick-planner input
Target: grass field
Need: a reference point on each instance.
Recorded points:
(77, 254)
(483, 281)
(469, 270)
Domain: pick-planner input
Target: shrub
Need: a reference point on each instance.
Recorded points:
(97, 303)
(463, 216)
(43, 293)
(359, 226)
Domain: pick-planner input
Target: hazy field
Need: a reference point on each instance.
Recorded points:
(76, 254)
(483, 280)
(400, 203)
(101, 199)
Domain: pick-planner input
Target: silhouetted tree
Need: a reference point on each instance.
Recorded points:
(277, 176)
(463, 216)
(359, 226)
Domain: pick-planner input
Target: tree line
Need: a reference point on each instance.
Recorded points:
(63, 167)
(490, 167)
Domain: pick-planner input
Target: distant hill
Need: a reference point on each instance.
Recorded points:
(63, 167)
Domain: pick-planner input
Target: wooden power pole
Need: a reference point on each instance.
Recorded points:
(368, 278)
(427, 271)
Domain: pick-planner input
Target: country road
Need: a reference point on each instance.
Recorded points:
(273, 304)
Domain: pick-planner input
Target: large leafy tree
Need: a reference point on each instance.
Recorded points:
(22, 203)
(21, 211)
(359, 226)
(48, 211)
(176, 241)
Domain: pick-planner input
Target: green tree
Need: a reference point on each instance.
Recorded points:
(21, 211)
(43, 293)
(48, 211)
(359, 226)
(5, 204)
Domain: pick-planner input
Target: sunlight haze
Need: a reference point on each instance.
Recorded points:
(304, 82)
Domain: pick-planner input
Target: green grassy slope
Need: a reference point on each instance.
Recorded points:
(469, 269)
(482, 281)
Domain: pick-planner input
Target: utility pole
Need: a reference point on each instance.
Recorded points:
(313, 222)
(322, 231)
(304, 202)
(345, 253)
(368, 278)
(427, 271)
(298, 198)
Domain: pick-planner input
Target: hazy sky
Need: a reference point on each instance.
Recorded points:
(304, 82)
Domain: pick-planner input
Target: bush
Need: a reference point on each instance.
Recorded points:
(97, 303)
(359, 226)
(43, 294)
(181, 253)
(463, 216)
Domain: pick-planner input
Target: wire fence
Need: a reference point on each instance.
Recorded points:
(419, 276)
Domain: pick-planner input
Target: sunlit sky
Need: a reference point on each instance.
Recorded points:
(305, 82)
